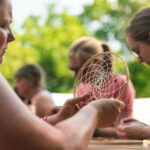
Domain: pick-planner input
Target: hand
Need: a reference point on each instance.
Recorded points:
(108, 110)
(133, 129)
(54, 110)
(70, 107)
(129, 120)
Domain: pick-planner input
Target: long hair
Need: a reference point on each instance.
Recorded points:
(86, 47)
(139, 26)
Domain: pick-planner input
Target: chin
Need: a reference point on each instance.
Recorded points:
(1, 60)
(148, 63)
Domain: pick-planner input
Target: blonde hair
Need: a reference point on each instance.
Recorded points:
(86, 47)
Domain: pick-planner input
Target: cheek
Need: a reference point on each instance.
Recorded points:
(72, 61)
(20, 86)
(3, 40)
(145, 52)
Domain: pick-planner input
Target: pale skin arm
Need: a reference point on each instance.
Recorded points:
(22, 130)
(19, 128)
(79, 128)
(32, 108)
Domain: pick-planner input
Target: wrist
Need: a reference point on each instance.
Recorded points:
(146, 132)
(45, 118)
(91, 111)
(51, 119)
(59, 117)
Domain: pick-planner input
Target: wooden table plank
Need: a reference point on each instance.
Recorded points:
(104, 146)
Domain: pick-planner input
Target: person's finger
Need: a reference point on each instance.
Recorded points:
(127, 120)
(82, 104)
(77, 106)
(121, 135)
(88, 101)
(122, 121)
(120, 104)
(120, 128)
(58, 108)
(79, 99)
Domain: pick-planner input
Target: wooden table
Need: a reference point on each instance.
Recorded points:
(121, 146)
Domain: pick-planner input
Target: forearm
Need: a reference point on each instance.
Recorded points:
(146, 132)
(20, 129)
(54, 119)
(79, 129)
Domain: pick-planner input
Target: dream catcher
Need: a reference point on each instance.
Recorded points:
(105, 75)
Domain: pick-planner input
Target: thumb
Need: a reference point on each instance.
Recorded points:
(120, 104)
(79, 99)
(120, 128)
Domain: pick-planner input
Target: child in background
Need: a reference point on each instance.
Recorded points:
(80, 51)
(30, 84)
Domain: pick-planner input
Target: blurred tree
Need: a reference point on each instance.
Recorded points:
(107, 19)
(139, 74)
(46, 40)
(52, 38)
(16, 56)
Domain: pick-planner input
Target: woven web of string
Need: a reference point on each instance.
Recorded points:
(100, 76)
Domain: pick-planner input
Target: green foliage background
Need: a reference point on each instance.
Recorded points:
(46, 39)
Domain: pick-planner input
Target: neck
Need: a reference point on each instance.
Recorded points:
(33, 92)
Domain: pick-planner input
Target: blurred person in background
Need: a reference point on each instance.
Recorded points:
(79, 52)
(27, 102)
(138, 39)
(30, 86)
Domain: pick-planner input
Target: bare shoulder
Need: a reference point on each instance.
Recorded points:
(43, 103)
(43, 97)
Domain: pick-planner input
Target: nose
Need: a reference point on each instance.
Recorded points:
(140, 59)
(11, 36)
